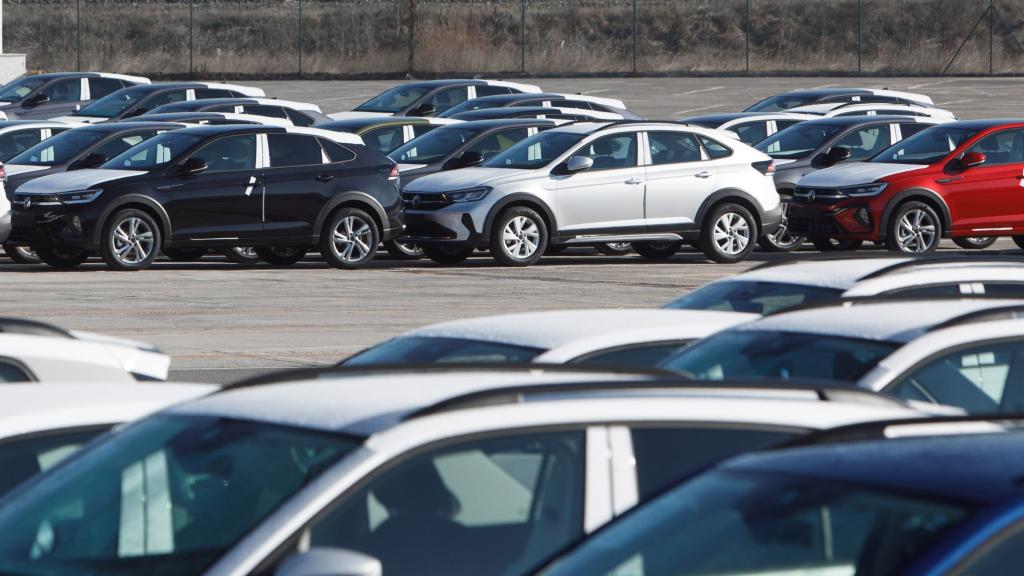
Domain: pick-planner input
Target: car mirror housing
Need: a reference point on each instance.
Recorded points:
(971, 159)
(470, 158)
(38, 99)
(93, 160)
(193, 166)
(579, 164)
(423, 110)
(836, 155)
(330, 562)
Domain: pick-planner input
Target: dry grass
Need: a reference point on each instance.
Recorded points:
(260, 38)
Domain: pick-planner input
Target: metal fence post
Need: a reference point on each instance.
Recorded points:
(748, 36)
(522, 36)
(78, 35)
(190, 50)
(300, 38)
(634, 35)
(860, 35)
(991, 29)
(412, 37)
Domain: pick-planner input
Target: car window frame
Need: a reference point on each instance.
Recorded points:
(638, 161)
(704, 155)
(30, 376)
(323, 153)
(977, 142)
(121, 136)
(174, 167)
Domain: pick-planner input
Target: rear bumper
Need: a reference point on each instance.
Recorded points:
(771, 220)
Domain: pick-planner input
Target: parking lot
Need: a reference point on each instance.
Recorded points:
(220, 321)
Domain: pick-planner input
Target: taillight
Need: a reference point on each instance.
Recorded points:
(766, 167)
(394, 172)
(3, 173)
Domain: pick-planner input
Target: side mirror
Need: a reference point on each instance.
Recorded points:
(836, 155)
(330, 562)
(37, 100)
(972, 159)
(467, 159)
(579, 164)
(193, 166)
(137, 112)
(423, 110)
(93, 160)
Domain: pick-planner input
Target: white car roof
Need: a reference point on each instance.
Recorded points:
(894, 321)
(613, 102)
(833, 273)
(339, 137)
(831, 109)
(140, 358)
(525, 88)
(247, 90)
(936, 276)
(550, 329)
(768, 116)
(695, 325)
(36, 125)
(53, 359)
(32, 408)
(288, 104)
(923, 98)
(125, 77)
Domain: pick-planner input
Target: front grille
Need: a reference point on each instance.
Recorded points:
(813, 226)
(416, 201)
(809, 194)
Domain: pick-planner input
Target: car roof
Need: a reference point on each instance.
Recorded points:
(892, 321)
(847, 121)
(364, 403)
(213, 130)
(114, 127)
(825, 273)
(482, 125)
(993, 273)
(26, 123)
(489, 112)
(33, 408)
(986, 123)
(364, 122)
(977, 468)
(548, 329)
(721, 118)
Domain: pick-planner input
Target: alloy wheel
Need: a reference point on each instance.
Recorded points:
(353, 238)
(521, 237)
(132, 241)
(732, 233)
(915, 231)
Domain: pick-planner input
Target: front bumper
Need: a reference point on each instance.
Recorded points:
(48, 229)
(842, 221)
(442, 227)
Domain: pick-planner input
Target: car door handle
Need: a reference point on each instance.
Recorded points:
(704, 174)
(324, 177)
(634, 181)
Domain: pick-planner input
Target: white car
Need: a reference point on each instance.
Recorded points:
(296, 113)
(214, 118)
(546, 99)
(796, 98)
(963, 353)
(467, 473)
(42, 424)
(654, 184)
(749, 127)
(432, 97)
(622, 337)
(841, 109)
(137, 100)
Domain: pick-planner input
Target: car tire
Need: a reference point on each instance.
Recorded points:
(281, 255)
(245, 255)
(975, 242)
(615, 248)
(349, 239)
(657, 250)
(915, 228)
(729, 234)
(781, 240)
(518, 237)
(447, 255)
(21, 254)
(834, 245)
(403, 250)
(130, 241)
(61, 257)
(184, 254)
(1019, 241)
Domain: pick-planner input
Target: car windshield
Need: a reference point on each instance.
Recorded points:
(467, 106)
(395, 99)
(926, 147)
(740, 523)
(797, 141)
(755, 297)
(781, 102)
(777, 355)
(167, 496)
(113, 104)
(435, 350)
(432, 146)
(59, 149)
(156, 151)
(536, 151)
(18, 89)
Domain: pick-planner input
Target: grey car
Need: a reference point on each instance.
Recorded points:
(45, 96)
(815, 144)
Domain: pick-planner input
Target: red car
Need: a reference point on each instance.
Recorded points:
(960, 180)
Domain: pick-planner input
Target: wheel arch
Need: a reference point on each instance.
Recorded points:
(134, 202)
(353, 199)
(527, 200)
(925, 195)
(734, 195)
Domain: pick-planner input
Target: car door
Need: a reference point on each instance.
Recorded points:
(866, 141)
(680, 176)
(298, 181)
(223, 202)
(608, 198)
(990, 197)
(484, 505)
(63, 95)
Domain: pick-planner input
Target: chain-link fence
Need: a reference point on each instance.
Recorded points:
(378, 38)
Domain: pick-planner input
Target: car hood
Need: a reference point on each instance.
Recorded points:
(77, 180)
(469, 178)
(16, 169)
(853, 173)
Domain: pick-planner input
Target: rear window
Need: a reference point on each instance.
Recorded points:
(754, 297)
(436, 350)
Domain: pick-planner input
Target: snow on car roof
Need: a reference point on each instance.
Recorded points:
(839, 273)
(899, 321)
(993, 273)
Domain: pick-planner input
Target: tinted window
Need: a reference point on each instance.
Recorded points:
(641, 355)
(673, 147)
(865, 142)
(781, 125)
(436, 350)
(1005, 147)
(536, 151)
(10, 373)
(14, 143)
(298, 118)
(751, 132)
(229, 108)
(1003, 556)
(766, 354)
(487, 506)
(18, 89)
(294, 150)
(336, 152)
(21, 459)
(497, 142)
(156, 151)
(66, 90)
(664, 456)
(983, 378)
(100, 87)
(755, 297)
(164, 98)
(611, 152)
(230, 153)
(261, 110)
(715, 148)
(926, 147)
(202, 93)
(780, 102)
(797, 141)
(59, 149)
(487, 90)
(395, 99)
(434, 146)
(908, 130)
(447, 98)
(385, 139)
(119, 144)
(113, 104)
(421, 129)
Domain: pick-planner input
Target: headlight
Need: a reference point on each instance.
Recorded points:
(863, 190)
(470, 195)
(59, 198)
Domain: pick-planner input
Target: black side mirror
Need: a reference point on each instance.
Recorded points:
(93, 160)
(835, 155)
(468, 158)
(37, 100)
(193, 166)
(423, 110)
(137, 112)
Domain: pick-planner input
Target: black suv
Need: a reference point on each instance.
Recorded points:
(282, 190)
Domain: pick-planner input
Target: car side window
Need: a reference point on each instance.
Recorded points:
(673, 148)
(488, 90)
(12, 373)
(18, 141)
(298, 118)
(336, 152)
(385, 139)
(202, 93)
(714, 148)
(641, 355)
(1003, 556)
(981, 378)
(581, 104)
(611, 152)
(115, 146)
(421, 129)
(263, 110)
(751, 132)
(477, 507)
(294, 150)
(21, 459)
(230, 153)
(100, 87)
(866, 142)
(445, 99)
(781, 125)
(1004, 147)
(168, 97)
(229, 108)
(497, 142)
(910, 128)
(66, 90)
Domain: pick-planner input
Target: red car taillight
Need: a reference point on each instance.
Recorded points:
(394, 172)
(3, 173)
(766, 167)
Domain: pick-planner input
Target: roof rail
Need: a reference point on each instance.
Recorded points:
(936, 260)
(610, 123)
(825, 392)
(897, 298)
(1011, 312)
(882, 429)
(31, 327)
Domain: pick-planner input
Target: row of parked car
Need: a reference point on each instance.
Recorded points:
(443, 168)
(835, 416)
